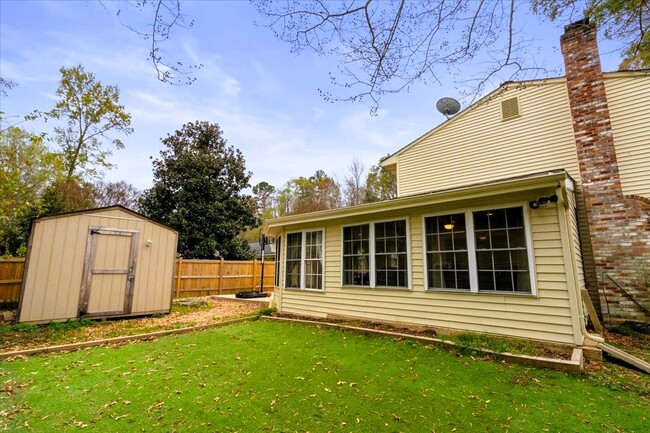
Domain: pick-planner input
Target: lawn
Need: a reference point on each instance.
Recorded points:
(288, 377)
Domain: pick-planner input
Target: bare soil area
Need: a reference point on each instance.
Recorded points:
(200, 311)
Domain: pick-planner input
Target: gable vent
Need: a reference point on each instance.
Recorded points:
(510, 108)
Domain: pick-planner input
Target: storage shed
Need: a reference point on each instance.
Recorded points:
(105, 262)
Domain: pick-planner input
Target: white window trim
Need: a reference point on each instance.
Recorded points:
(303, 250)
(471, 250)
(371, 248)
(277, 267)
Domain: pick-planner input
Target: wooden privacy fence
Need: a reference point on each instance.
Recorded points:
(192, 278)
(220, 277)
(11, 276)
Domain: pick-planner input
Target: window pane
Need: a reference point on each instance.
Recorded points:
(501, 260)
(485, 280)
(515, 217)
(462, 280)
(435, 279)
(497, 218)
(519, 260)
(446, 242)
(484, 260)
(481, 220)
(503, 281)
(499, 239)
(522, 282)
(482, 240)
(461, 261)
(460, 240)
(517, 238)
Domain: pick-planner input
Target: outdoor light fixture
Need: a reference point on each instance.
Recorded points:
(542, 201)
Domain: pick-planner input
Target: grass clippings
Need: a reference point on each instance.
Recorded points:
(288, 377)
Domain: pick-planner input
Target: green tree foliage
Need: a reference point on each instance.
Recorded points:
(26, 168)
(624, 20)
(198, 183)
(264, 197)
(68, 196)
(381, 184)
(315, 193)
(91, 111)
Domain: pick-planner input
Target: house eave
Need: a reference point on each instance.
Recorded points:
(554, 178)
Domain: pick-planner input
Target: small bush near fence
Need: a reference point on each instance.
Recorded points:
(192, 278)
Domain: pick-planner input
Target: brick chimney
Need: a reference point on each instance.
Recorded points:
(619, 225)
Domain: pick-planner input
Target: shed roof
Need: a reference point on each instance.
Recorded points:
(100, 210)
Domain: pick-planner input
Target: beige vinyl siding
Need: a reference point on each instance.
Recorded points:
(575, 243)
(546, 316)
(477, 146)
(628, 98)
(56, 257)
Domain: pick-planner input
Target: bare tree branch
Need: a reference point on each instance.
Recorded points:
(386, 46)
(166, 16)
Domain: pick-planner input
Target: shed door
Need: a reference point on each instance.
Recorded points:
(109, 272)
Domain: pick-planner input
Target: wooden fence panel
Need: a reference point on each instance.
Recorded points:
(11, 277)
(193, 277)
(221, 277)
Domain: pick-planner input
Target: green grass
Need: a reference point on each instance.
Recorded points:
(285, 377)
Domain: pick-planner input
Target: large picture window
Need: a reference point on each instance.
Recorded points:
(376, 255)
(304, 260)
(479, 251)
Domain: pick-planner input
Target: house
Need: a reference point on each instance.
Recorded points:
(504, 214)
(105, 262)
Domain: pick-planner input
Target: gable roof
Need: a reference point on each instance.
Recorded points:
(509, 85)
(100, 210)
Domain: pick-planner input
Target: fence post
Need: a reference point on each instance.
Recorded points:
(179, 264)
(220, 275)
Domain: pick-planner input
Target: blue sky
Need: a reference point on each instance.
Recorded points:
(265, 98)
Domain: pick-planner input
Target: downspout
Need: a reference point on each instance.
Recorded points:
(581, 335)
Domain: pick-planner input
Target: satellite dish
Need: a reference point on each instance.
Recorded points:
(448, 106)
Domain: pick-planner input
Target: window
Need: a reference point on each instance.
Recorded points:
(478, 251)
(376, 255)
(390, 254)
(356, 255)
(501, 253)
(446, 247)
(278, 248)
(304, 260)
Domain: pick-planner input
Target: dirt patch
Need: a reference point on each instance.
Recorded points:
(462, 340)
(205, 312)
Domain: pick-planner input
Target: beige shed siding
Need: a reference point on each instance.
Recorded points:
(477, 146)
(544, 317)
(628, 99)
(56, 262)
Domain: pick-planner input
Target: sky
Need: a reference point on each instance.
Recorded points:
(265, 98)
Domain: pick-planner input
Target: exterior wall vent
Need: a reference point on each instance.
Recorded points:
(510, 108)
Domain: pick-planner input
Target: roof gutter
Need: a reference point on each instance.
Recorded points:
(551, 178)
